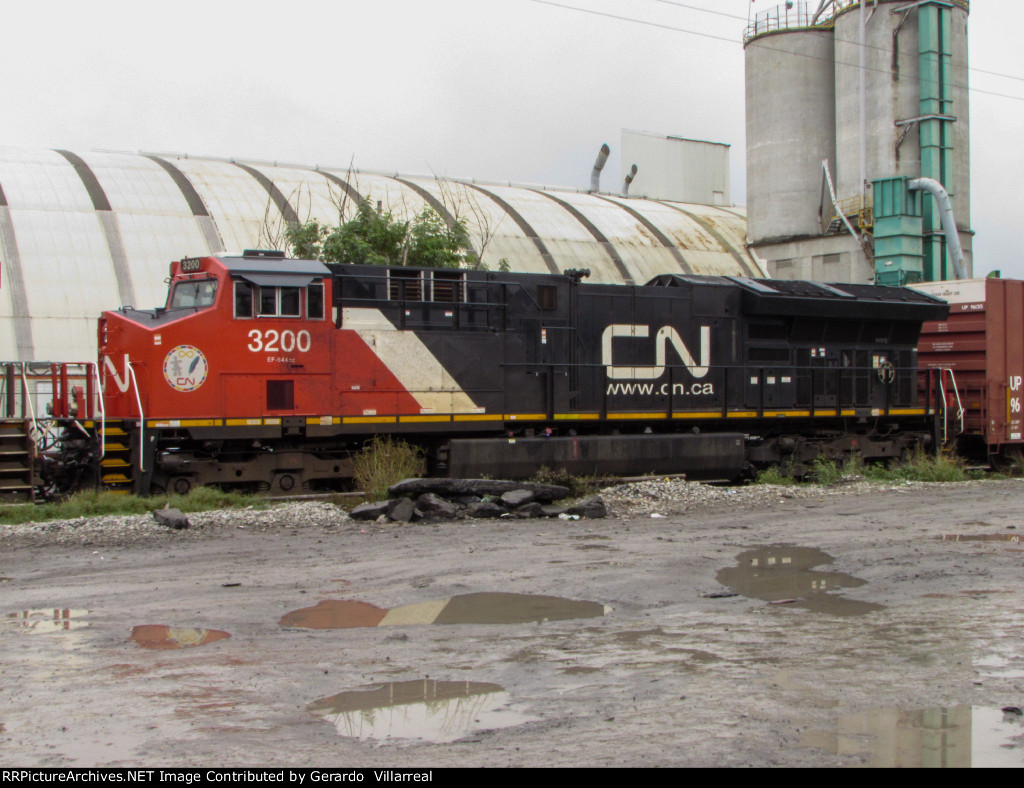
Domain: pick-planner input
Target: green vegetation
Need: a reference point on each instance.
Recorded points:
(579, 486)
(918, 466)
(923, 466)
(774, 475)
(375, 237)
(99, 504)
(383, 462)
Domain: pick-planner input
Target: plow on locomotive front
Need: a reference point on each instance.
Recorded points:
(268, 374)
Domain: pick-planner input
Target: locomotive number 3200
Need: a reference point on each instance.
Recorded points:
(274, 341)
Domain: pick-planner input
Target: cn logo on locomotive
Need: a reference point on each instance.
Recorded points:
(666, 336)
(109, 369)
(185, 368)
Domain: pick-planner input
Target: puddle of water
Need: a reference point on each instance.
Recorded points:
(784, 573)
(161, 636)
(953, 737)
(43, 621)
(433, 711)
(1006, 664)
(482, 608)
(1012, 538)
(335, 614)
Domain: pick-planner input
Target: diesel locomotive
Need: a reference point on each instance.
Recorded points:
(269, 374)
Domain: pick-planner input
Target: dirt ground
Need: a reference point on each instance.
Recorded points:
(837, 630)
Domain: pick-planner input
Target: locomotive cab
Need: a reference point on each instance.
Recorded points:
(244, 336)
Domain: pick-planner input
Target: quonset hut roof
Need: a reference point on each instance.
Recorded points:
(89, 231)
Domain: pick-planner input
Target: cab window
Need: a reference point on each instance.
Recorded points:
(315, 301)
(193, 294)
(278, 301)
(243, 299)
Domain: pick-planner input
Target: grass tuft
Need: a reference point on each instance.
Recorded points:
(918, 466)
(579, 486)
(924, 466)
(101, 504)
(774, 475)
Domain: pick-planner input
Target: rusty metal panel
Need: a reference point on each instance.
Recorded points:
(982, 342)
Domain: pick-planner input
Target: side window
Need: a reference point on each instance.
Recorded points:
(289, 301)
(243, 299)
(315, 301)
(278, 301)
(268, 301)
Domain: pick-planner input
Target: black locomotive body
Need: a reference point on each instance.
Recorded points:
(705, 376)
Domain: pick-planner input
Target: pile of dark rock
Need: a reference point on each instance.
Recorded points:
(457, 499)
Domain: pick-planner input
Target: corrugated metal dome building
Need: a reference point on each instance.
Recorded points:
(84, 232)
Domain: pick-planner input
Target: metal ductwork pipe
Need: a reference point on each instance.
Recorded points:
(595, 176)
(938, 191)
(629, 180)
(820, 11)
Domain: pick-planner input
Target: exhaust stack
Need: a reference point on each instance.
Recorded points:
(595, 176)
(629, 180)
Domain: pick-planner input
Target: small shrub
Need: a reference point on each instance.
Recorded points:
(579, 486)
(774, 475)
(825, 471)
(383, 462)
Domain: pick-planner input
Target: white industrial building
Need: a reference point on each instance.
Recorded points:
(82, 232)
(676, 168)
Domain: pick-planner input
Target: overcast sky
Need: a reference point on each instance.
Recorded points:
(490, 89)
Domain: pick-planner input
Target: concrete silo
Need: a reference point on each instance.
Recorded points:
(900, 104)
(790, 95)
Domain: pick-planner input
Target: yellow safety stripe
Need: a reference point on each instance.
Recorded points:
(186, 423)
(437, 418)
(423, 419)
(369, 420)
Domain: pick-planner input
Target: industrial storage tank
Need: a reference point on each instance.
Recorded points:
(898, 85)
(790, 96)
(893, 96)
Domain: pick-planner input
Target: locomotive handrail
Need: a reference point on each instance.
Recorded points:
(945, 406)
(103, 410)
(26, 398)
(142, 419)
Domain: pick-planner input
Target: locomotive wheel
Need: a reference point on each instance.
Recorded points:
(180, 485)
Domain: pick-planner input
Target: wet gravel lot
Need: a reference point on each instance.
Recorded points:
(696, 626)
